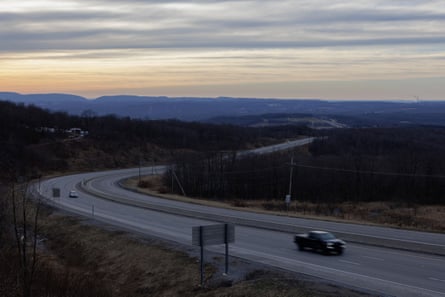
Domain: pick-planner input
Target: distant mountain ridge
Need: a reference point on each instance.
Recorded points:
(203, 109)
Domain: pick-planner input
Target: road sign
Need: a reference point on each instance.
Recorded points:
(56, 192)
(213, 234)
(287, 199)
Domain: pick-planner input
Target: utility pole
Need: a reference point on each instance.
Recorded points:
(288, 196)
(172, 172)
(291, 173)
(139, 169)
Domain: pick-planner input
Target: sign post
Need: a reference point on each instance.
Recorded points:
(201, 244)
(212, 235)
(226, 242)
(287, 200)
(56, 192)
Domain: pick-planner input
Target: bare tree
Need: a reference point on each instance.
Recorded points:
(25, 213)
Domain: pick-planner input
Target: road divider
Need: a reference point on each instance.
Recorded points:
(386, 242)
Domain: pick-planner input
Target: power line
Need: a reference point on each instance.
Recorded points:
(367, 172)
(265, 169)
(218, 172)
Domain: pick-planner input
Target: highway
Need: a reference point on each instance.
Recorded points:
(276, 147)
(389, 271)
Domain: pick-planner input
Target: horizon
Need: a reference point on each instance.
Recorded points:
(322, 50)
(415, 100)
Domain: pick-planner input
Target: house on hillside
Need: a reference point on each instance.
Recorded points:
(76, 132)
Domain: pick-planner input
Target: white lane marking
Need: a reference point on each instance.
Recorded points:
(373, 258)
(436, 279)
(349, 262)
(299, 225)
(389, 252)
(299, 264)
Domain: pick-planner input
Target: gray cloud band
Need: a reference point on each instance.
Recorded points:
(224, 24)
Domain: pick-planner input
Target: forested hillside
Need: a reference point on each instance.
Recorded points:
(376, 164)
(35, 141)
(406, 164)
(232, 110)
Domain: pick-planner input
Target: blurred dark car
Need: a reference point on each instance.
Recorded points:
(320, 241)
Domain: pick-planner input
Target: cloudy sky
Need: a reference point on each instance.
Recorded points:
(328, 49)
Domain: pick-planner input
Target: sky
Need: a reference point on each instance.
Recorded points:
(324, 49)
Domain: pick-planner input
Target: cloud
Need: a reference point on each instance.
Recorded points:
(150, 44)
(221, 24)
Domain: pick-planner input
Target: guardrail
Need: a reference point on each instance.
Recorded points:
(350, 237)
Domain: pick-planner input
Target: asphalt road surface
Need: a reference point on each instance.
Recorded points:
(391, 272)
(276, 147)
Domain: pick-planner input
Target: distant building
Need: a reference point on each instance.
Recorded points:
(76, 132)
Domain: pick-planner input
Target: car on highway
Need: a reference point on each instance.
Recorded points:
(320, 241)
(73, 194)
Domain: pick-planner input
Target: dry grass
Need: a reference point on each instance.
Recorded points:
(400, 215)
(152, 185)
(125, 265)
(114, 263)
(129, 267)
(78, 257)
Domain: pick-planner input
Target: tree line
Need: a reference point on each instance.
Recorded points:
(27, 148)
(377, 164)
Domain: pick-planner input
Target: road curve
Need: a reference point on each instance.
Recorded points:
(106, 187)
(389, 271)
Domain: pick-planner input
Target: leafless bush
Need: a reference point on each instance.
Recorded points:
(144, 184)
(163, 190)
(25, 215)
(4, 218)
(52, 281)
(275, 205)
(239, 203)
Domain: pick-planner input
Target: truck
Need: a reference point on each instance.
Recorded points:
(320, 241)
